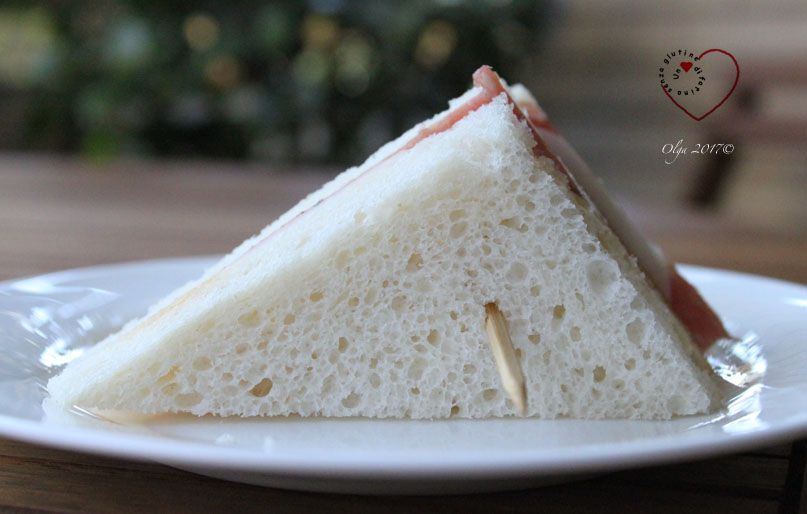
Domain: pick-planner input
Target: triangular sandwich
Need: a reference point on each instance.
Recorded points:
(470, 268)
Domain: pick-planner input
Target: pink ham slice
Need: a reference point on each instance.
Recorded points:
(693, 311)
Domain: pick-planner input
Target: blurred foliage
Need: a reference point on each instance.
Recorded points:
(322, 81)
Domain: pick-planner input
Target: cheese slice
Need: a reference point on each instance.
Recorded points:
(369, 297)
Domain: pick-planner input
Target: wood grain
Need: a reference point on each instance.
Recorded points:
(51, 480)
(57, 213)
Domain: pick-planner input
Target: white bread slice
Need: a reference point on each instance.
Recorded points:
(367, 299)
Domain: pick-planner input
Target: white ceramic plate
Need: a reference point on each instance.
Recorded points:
(44, 322)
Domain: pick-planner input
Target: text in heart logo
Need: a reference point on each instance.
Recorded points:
(678, 84)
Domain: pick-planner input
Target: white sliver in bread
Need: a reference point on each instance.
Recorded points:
(368, 299)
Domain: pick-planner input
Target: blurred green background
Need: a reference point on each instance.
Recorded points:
(302, 82)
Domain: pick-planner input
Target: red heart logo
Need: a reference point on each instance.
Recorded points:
(733, 86)
(686, 65)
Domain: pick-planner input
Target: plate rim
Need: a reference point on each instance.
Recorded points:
(416, 464)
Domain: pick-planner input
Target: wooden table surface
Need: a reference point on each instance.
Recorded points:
(58, 213)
